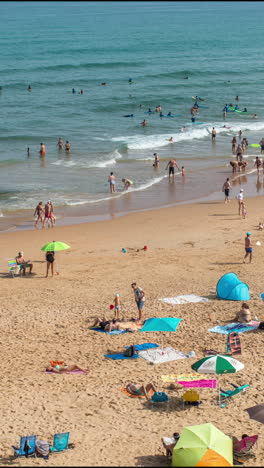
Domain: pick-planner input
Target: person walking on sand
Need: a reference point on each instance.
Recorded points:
(248, 247)
(139, 298)
(226, 188)
(240, 199)
(171, 165)
(39, 212)
(112, 181)
(243, 210)
(213, 134)
(49, 216)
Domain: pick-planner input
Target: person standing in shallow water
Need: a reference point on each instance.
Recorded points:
(111, 180)
(226, 189)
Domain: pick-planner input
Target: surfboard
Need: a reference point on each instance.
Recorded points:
(193, 123)
(175, 115)
(241, 112)
(149, 112)
(255, 145)
(204, 107)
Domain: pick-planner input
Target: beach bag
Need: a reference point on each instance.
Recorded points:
(129, 352)
(159, 397)
(42, 448)
(261, 326)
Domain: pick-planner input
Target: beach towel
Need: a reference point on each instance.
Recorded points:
(190, 380)
(185, 299)
(113, 332)
(124, 390)
(159, 355)
(76, 371)
(141, 347)
(235, 327)
(120, 356)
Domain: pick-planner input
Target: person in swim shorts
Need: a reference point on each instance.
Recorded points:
(42, 150)
(213, 134)
(139, 298)
(49, 217)
(226, 189)
(248, 247)
(117, 303)
(111, 180)
(171, 165)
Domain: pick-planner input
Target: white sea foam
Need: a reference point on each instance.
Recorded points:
(114, 156)
(145, 186)
(139, 142)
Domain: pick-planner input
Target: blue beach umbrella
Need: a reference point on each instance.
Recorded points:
(164, 324)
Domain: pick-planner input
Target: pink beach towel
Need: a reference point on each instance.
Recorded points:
(198, 383)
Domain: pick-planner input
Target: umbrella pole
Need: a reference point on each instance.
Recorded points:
(57, 267)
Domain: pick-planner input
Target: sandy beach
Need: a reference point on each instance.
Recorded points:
(189, 248)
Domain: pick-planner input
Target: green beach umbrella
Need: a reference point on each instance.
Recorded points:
(203, 445)
(218, 364)
(55, 246)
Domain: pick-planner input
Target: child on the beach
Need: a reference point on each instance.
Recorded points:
(117, 303)
(243, 210)
(261, 226)
(183, 171)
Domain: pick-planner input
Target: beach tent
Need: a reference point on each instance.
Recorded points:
(203, 445)
(231, 288)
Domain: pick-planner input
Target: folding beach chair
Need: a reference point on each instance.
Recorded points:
(60, 442)
(243, 448)
(229, 393)
(13, 267)
(27, 447)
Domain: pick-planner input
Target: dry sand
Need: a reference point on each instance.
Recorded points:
(190, 248)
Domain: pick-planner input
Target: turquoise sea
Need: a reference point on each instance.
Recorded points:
(57, 46)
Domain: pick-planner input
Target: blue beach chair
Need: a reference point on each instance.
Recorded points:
(230, 393)
(60, 442)
(27, 446)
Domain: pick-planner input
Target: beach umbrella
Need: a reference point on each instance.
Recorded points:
(256, 412)
(164, 324)
(218, 364)
(203, 445)
(54, 246)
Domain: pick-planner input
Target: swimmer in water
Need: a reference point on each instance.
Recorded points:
(29, 88)
(144, 123)
(67, 147)
(42, 150)
(156, 161)
(171, 139)
(73, 91)
(103, 84)
(28, 152)
(169, 114)
(60, 143)
(237, 98)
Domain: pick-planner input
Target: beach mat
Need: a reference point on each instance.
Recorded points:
(185, 299)
(160, 355)
(120, 356)
(233, 344)
(235, 327)
(113, 332)
(124, 390)
(141, 347)
(76, 371)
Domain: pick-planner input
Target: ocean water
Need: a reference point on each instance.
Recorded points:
(57, 46)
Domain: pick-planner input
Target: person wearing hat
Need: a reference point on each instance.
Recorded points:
(248, 247)
(240, 198)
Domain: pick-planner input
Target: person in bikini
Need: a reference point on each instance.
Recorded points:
(60, 143)
(61, 368)
(111, 180)
(42, 150)
(140, 390)
(39, 212)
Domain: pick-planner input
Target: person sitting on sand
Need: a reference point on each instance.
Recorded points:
(142, 390)
(244, 315)
(59, 369)
(24, 264)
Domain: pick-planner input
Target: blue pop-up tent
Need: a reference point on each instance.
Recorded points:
(231, 288)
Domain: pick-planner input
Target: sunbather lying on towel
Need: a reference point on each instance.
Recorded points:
(59, 369)
(110, 325)
(143, 390)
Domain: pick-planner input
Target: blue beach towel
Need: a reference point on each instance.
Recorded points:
(113, 332)
(120, 356)
(141, 347)
(234, 327)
